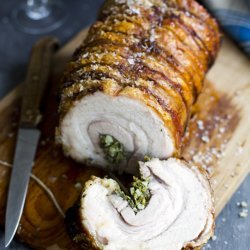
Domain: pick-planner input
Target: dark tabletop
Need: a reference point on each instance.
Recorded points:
(232, 231)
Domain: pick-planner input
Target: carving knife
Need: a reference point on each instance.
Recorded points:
(28, 133)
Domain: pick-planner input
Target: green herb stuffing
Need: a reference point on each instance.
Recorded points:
(147, 158)
(114, 151)
(139, 194)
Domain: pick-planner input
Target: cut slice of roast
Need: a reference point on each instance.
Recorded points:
(135, 78)
(178, 215)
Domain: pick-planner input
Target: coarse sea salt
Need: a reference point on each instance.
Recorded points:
(200, 124)
(205, 138)
(131, 61)
(78, 185)
(243, 213)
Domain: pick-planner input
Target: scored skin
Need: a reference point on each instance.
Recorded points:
(74, 217)
(168, 74)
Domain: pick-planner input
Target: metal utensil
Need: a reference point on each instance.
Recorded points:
(28, 133)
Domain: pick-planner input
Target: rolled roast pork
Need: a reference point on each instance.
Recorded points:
(169, 208)
(130, 86)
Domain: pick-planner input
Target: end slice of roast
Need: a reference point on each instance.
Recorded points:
(179, 214)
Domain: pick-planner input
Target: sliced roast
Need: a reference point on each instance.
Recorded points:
(178, 212)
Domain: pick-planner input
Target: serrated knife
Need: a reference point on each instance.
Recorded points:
(28, 133)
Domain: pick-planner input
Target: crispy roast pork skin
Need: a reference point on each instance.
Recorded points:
(135, 77)
(179, 214)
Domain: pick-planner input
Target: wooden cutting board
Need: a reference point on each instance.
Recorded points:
(218, 139)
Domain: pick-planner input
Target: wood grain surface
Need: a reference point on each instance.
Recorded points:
(217, 139)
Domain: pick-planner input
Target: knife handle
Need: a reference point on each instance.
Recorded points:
(36, 80)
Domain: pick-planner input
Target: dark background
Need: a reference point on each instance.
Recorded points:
(232, 232)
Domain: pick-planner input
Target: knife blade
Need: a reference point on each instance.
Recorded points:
(28, 133)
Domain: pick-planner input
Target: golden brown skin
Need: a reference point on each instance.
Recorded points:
(158, 55)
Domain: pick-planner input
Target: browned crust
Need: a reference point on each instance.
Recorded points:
(186, 45)
(76, 231)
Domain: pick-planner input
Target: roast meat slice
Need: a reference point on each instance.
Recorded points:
(179, 213)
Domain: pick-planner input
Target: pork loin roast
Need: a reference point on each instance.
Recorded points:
(130, 86)
(169, 208)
